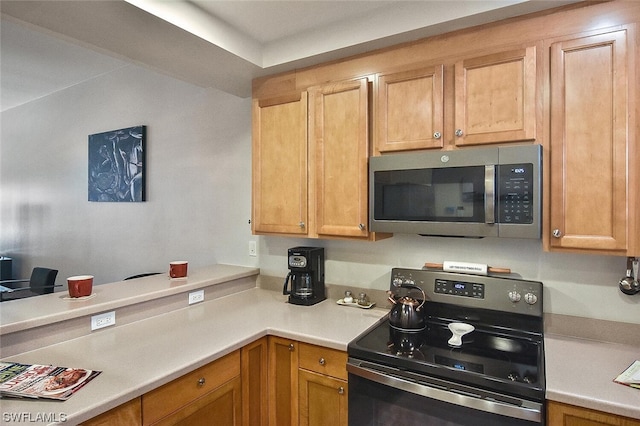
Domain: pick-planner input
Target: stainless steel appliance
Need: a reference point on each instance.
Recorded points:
(479, 359)
(306, 275)
(471, 192)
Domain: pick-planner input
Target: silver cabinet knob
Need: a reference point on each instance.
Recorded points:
(201, 382)
(362, 227)
(341, 390)
(322, 361)
(557, 233)
(301, 224)
(437, 135)
(459, 132)
(291, 347)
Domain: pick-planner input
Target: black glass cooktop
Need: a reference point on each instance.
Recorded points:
(491, 359)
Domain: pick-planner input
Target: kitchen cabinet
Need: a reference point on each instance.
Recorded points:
(310, 153)
(591, 129)
(209, 392)
(559, 414)
(322, 386)
(253, 369)
(280, 165)
(129, 413)
(307, 384)
(283, 381)
(339, 141)
(493, 98)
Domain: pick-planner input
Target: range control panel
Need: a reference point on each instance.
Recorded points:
(459, 288)
(478, 291)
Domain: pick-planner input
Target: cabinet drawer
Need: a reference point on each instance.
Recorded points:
(166, 399)
(322, 360)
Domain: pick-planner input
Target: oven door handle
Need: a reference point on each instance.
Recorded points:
(533, 413)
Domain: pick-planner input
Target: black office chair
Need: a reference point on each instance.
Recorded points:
(42, 281)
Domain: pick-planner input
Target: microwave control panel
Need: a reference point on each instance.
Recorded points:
(515, 193)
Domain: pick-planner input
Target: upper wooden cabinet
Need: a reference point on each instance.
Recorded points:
(339, 139)
(591, 125)
(280, 165)
(494, 101)
(410, 109)
(312, 184)
(495, 98)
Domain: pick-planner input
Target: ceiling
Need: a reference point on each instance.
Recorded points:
(49, 45)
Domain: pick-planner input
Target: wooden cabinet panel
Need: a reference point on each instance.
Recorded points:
(253, 362)
(559, 414)
(589, 141)
(339, 140)
(175, 395)
(280, 165)
(129, 413)
(409, 109)
(328, 362)
(222, 406)
(323, 400)
(283, 381)
(495, 98)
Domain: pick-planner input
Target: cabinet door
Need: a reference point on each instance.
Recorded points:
(222, 406)
(129, 413)
(409, 110)
(340, 143)
(280, 165)
(253, 367)
(589, 122)
(567, 415)
(495, 98)
(323, 400)
(283, 381)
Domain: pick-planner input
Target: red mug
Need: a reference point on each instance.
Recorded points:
(80, 285)
(178, 269)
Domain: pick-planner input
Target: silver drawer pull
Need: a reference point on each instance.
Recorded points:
(201, 382)
(341, 390)
(322, 361)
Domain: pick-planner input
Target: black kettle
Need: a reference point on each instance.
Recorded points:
(407, 312)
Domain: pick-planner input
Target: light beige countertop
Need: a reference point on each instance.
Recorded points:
(581, 372)
(138, 357)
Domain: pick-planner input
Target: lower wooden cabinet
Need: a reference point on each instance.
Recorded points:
(253, 367)
(129, 413)
(322, 400)
(212, 393)
(559, 414)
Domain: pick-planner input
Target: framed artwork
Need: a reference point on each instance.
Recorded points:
(116, 165)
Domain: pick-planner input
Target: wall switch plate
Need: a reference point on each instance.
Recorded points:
(253, 248)
(103, 320)
(196, 297)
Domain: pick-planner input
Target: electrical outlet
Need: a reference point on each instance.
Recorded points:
(253, 249)
(196, 296)
(103, 320)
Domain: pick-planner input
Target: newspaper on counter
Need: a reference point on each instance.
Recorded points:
(630, 376)
(42, 381)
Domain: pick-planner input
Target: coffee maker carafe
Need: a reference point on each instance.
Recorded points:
(306, 275)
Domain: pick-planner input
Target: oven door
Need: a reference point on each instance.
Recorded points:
(380, 395)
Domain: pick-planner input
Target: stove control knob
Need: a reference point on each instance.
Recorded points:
(514, 377)
(514, 296)
(530, 298)
(409, 281)
(529, 379)
(397, 282)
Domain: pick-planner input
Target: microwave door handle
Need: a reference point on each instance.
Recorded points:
(489, 194)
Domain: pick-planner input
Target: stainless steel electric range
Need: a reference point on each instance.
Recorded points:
(424, 375)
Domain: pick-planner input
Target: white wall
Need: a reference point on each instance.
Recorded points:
(199, 196)
(198, 173)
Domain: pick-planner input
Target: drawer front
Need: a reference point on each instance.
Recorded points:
(329, 362)
(169, 398)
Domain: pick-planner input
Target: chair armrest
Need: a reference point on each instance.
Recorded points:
(5, 282)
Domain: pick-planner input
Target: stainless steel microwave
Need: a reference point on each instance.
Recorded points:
(471, 192)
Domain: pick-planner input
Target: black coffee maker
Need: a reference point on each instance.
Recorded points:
(306, 274)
